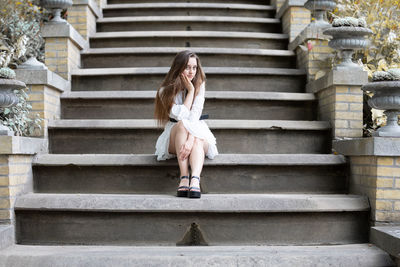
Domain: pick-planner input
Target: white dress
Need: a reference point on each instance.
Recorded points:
(190, 119)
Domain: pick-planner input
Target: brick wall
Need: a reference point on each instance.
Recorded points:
(314, 59)
(342, 106)
(61, 55)
(82, 18)
(45, 101)
(379, 179)
(294, 20)
(15, 179)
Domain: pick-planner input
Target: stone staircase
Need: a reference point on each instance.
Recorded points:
(275, 196)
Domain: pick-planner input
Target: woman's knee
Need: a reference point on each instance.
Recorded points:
(181, 127)
(198, 143)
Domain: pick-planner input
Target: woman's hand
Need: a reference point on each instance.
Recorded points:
(186, 148)
(187, 83)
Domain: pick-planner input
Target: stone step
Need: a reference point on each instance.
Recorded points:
(233, 136)
(225, 39)
(236, 105)
(218, 78)
(189, 23)
(269, 219)
(189, 9)
(365, 255)
(257, 2)
(227, 173)
(122, 57)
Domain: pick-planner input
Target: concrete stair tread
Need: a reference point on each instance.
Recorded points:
(222, 159)
(205, 34)
(233, 95)
(223, 203)
(207, 70)
(213, 124)
(335, 255)
(187, 18)
(199, 50)
(189, 5)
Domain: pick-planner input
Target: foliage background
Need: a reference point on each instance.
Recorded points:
(382, 17)
(20, 39)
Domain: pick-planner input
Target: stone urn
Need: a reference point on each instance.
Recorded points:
(386, 97)
(8, 98)
(318, 9)
(56, 6)
(348, 39)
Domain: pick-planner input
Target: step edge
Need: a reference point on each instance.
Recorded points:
(208, 34)
(191, 5)
(199, 50)
(213, 124)
(230, 19)
(220, 160)
(208, 70)
(229, 95)
(212, 203)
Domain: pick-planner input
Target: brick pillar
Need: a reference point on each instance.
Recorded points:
(62, 48)
(277, 4)
(375, 172)
(16, 155)
(45, 88)
(295, 17)
(82, 16)
(311, 47)
(340, 101)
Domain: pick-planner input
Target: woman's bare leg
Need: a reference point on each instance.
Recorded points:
(196, 160)
(178, 137)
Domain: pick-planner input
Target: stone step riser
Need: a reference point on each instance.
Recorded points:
(215, 82)
(165, 60)
(157, 179)
(144, 109)
(253, 43)
(142, 141)
(170, 228)
(256, 2)
(189, 26)
(128, 12)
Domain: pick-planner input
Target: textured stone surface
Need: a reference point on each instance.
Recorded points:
(387, 238)
(372, 146)
(96, 256)
(7, 237)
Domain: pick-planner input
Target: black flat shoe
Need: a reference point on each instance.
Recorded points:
(183, 193)
(195, 194)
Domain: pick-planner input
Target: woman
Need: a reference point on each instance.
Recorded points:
(178, 107)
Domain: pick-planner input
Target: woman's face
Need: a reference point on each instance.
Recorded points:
(191, 68)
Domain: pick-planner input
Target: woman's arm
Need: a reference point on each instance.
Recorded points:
(186, 148)
(190, 95)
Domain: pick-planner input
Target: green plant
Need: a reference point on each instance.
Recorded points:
(20, 36)
(7, 73)
(382, 18)
(18, 117)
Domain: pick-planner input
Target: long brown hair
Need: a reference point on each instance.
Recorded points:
(172, 85)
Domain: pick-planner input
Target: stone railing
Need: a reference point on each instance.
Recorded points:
(63, 45)
(374, 162)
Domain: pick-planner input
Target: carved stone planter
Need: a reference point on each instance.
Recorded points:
(8, 98)
(347, 40)
(56, 6)
(318, 9)
(386, 97)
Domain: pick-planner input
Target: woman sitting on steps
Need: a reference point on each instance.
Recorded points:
(178, 107)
